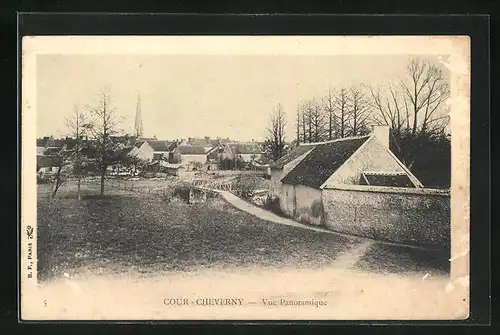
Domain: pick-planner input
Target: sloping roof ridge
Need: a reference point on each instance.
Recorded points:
(336, 140)
(156, 141)
(384, 173)
(319, 164)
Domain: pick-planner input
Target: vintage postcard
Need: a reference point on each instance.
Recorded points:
(245, 178)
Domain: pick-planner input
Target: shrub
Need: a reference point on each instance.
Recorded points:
(166, 197)
(182, 192)
(197, 166)
(211, 194)
(273, 204)
(43, 179)
(245, 186)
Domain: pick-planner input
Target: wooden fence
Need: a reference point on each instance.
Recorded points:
(164, 186)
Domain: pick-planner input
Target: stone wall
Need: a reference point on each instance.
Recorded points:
(276, 187)
(411, 216)
(286, 198)
(309, 205)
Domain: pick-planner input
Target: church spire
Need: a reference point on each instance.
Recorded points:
(139, 130)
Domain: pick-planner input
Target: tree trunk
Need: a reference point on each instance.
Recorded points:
(342, 121)
(57, 182)
(78, 189)
(330, 128)
(103, 173)
(52, 188)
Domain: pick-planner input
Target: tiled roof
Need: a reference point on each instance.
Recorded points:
(52, 151)
(126, 151)
(386, 179)
(199, 142)
(89, 152)
(322, 162)
(158, 156)
(138, 144)
(295, 153)
(47, 161)
(48, 142)
(191, 150)
(123, 138)
(160, 145)
(245, 148)
(219, 141)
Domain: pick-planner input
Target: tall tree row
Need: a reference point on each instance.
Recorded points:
(341, 113)
(413, 106)
(414, 109)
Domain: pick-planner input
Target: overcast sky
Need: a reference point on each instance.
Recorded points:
(198, 95)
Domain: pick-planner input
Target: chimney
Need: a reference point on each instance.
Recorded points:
(381, 133)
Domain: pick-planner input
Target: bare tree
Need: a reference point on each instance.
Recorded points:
(61, 161)
(329, 107)
(305, 124)
(358, 112)
(77, 126)
(103, 124)
(426, 89)
(275, 142)
(298, 122)
(390, 108)
(304, 121)
(309, 117)
(341, 106)
(318, 123)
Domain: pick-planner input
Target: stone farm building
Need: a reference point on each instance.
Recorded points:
(149, 150)
(49, 146)
(47, 165)
(247, 152)
(186, 155)
(357, 185)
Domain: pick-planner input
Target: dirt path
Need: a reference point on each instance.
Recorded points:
(347, 260)
(268, 216)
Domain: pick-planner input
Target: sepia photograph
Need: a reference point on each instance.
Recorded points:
(245, 178)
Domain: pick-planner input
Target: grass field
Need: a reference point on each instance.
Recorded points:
(383, 258)
(145, 233)
(126, 231)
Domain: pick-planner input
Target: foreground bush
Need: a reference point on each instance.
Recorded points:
(43, 179)
(273, 204)
(182, 192)
(245, 186)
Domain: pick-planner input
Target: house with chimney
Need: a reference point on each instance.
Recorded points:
(219, 142)
(205, 142)
(305, 179)
(47, 165)
(190, 155)
(245, 151)
(49, 146)
(153, 150)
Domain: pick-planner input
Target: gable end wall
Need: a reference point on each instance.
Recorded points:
(276, 188)
(371, 157)
(145, 152)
